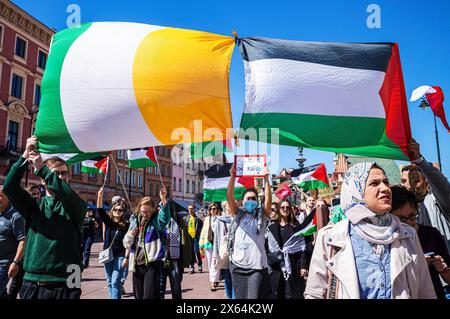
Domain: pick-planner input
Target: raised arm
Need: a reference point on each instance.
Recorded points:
(267, 193)
(164, 213)
(437, 181)
(72, 203)
(230, 192)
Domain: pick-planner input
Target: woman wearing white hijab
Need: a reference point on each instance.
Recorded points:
(369, 255)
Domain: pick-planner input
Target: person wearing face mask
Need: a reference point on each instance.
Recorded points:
(432, 190)
(144, 244)
(405, 207)
(371, 254)
(246, 241)
(54, 237)
(115, 228)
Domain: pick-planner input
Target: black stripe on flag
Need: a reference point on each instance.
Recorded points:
(218, 171)
(367, 56)
(298, 171)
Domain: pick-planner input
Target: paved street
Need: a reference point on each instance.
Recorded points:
(194, 286)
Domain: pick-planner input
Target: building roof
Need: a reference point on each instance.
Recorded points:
(389, 166)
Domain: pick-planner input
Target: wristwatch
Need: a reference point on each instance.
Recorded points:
(17, 262)
(419, 160)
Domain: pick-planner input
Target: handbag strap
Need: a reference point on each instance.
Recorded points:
(168, 238)
(114, 238)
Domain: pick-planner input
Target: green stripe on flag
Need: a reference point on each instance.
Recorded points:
(90, 170)
(51, 128)
(141, 163)
(342, 134)
(313, 184)
(219, 195)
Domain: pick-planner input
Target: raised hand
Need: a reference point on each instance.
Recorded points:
(31, 146)
(413, 149)
(35, 159)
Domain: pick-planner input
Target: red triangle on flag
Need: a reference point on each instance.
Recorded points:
(246, 181)
(102, 165)
(151, 154)
(321, 174)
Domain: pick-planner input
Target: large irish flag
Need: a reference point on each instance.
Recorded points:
(339, 97)
(216, 182)
(113, 85)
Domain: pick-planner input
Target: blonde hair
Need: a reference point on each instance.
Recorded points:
(147, 200)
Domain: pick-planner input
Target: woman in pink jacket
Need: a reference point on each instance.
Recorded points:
(369, 255)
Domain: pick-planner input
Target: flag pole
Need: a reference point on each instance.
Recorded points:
(121, 181)
(159, 170)
(106, 174)
(437, 143)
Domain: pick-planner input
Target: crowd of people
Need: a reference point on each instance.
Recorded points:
(381, 242)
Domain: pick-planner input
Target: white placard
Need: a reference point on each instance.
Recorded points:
(250, 165)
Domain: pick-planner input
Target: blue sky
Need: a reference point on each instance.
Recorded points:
(422, 30)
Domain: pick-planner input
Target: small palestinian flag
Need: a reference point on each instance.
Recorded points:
(207, 149)
(95, 166)
(142, 158)
(216, 182)
(311, 177)
(309, 226)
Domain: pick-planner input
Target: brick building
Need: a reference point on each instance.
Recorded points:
(24, 46)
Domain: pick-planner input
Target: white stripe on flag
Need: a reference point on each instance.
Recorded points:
(311, 88)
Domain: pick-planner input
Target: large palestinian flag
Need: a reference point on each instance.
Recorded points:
(73, 158)
(216, 182)
(114, 85)
(339, 97)
(311, 177)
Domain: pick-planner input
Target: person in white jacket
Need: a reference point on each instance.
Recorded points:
(371, 254)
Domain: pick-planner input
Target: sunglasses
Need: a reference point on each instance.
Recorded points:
(213, 208)
(273, 209)
(62, 174)
(118, 209)
(284, 207)
(252, 198)
(405, 219)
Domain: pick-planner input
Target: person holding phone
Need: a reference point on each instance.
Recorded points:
(405, 207)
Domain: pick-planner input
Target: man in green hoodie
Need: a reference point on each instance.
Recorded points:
(53, 247)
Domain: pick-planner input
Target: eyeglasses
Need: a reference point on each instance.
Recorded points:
(62, 174)
(252, 198)
(273, 209)
(284, 207)
(405, 219)
(118, 209)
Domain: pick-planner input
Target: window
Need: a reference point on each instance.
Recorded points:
(180, 186)
(42, 59)
(168, 152)
(1, 35)
(13, 135)
(133, 179)
(121, 154)
(193, 187)
(156, 190)
(198, 187)
(21, 47)
(37, 94)
(76, 168)
(150, 189)
(168, 171)
(16, 86)
(175, 184)
(90, 175)
(150, 170)
(140, 181)
(187, 186)
(188, 165)
(119, 173)
(163, 169)
(127, 178)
